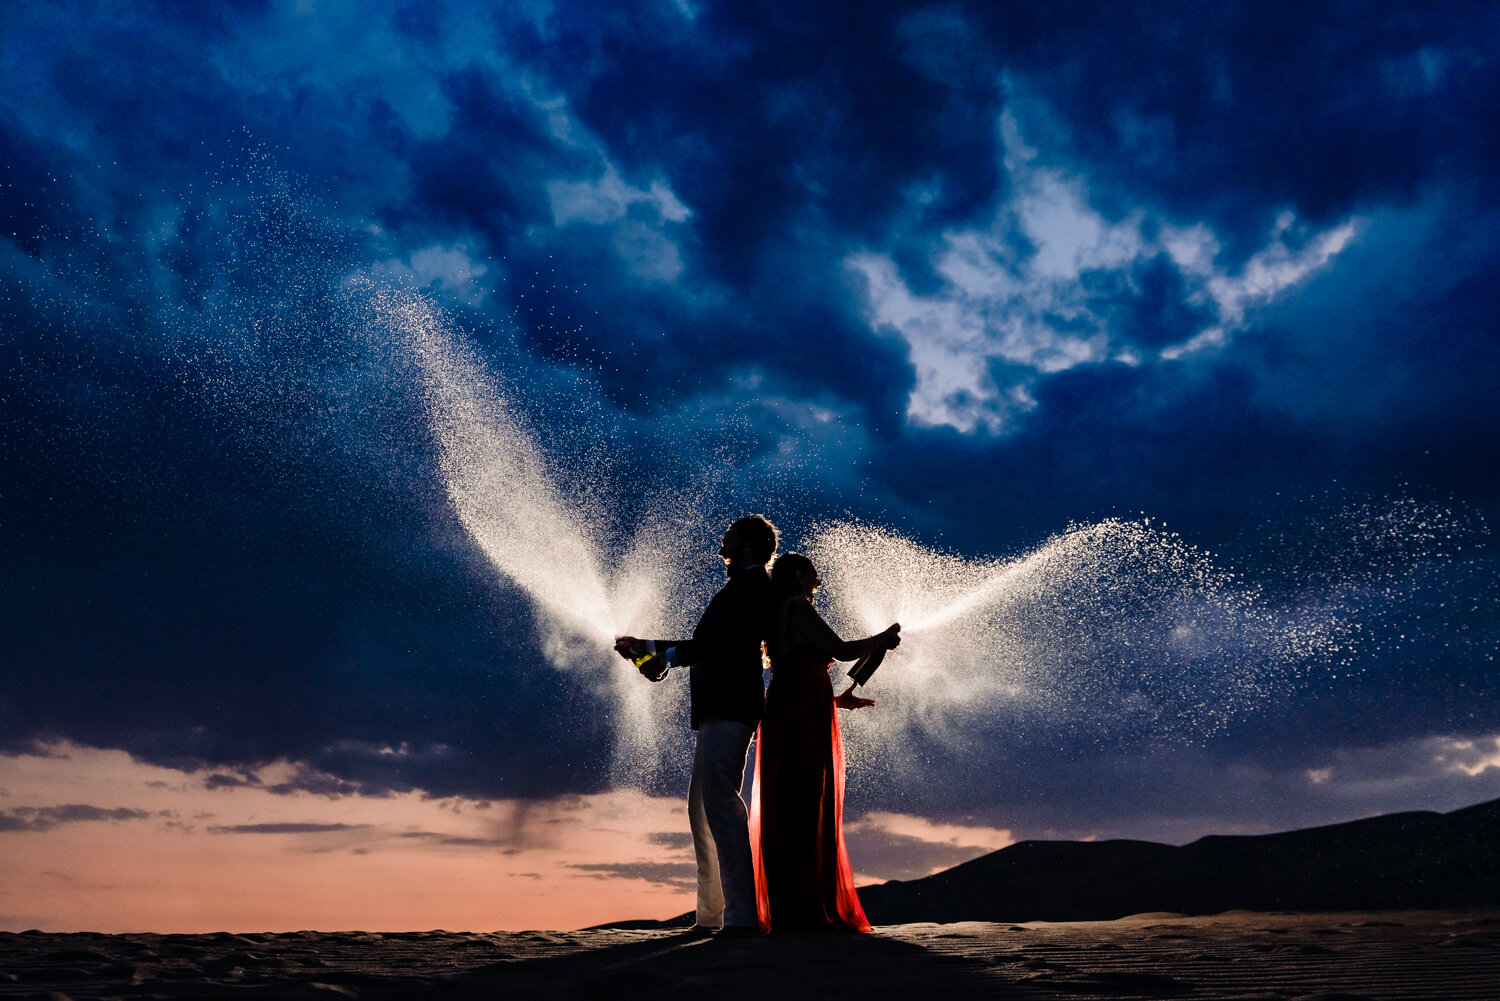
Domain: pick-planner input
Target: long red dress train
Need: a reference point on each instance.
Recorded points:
(803, 881)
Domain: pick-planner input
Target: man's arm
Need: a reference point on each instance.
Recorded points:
(733, 621)
(714, 633)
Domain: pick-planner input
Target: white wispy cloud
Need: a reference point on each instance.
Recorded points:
(608, 198)
(447, 270)
(1472, 757)
(1015, 303)
(640, 238)
(1272, 270)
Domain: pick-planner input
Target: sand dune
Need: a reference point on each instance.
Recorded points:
(1398, 861)
(1345, 942)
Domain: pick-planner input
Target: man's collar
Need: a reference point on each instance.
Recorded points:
(735, 570)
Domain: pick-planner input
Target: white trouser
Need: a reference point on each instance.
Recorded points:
(721, 826)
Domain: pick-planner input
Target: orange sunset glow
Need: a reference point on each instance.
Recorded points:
(92, 839)
(161, 850)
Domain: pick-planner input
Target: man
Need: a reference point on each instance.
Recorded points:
(727, 693)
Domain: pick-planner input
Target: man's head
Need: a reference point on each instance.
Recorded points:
(749, 541)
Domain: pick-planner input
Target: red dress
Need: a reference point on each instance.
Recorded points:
(803, 881)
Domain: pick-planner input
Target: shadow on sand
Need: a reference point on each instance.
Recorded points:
(594, 965)
(691, 965)
(1242, 955)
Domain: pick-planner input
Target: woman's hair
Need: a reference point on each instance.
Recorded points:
(784, 571)
(784, 585)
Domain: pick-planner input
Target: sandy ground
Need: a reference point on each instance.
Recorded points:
(1448, 955)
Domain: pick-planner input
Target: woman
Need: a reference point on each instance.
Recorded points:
(803, 881)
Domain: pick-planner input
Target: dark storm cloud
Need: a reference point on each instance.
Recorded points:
(226, 541)
(484, 175)
(1159, 313)
(1239, 110)
(1402, 377)
(1224, 116)
(773, 125)
(1105, 440)
(791, 138)
(181, 523)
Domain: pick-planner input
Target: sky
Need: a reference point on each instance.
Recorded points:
(365, 366)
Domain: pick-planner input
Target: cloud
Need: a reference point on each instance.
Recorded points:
(1041, 290)
(449, 271)
(1187, 109)
(45, 818)
(677, 875)
(1269, 272)
(1471, 757)
(884, 846)
(639, 237)
(285, 828)
(1440, 768)
(1179, 795)
(219, 780)
(458, 841)
(607, 200)
(649, 254)
(670, 839)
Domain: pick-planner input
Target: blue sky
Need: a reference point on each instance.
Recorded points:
(968, 273)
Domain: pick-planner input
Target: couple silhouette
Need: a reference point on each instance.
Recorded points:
(782, 866)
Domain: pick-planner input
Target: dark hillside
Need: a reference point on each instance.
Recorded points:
(1397, 861)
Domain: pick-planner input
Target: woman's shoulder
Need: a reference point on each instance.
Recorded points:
(798, 606)
(801, 615)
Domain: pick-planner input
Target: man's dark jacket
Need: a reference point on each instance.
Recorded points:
(724, 653)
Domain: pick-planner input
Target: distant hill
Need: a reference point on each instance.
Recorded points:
(1402, 860)
(1398, 861)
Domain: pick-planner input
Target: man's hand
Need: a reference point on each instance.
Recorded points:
(654, 669)
(629, 647)
(632, 648)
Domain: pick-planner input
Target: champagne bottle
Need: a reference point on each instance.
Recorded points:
(866, 666)
(651, 664)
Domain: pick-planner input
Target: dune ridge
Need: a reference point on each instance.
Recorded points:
(1405, 860)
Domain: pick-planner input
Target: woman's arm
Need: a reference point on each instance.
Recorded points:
(806, 623)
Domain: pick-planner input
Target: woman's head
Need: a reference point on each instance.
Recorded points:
(794, 574)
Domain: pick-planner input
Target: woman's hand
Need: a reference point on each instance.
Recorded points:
(848, 700)
(892, 636)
